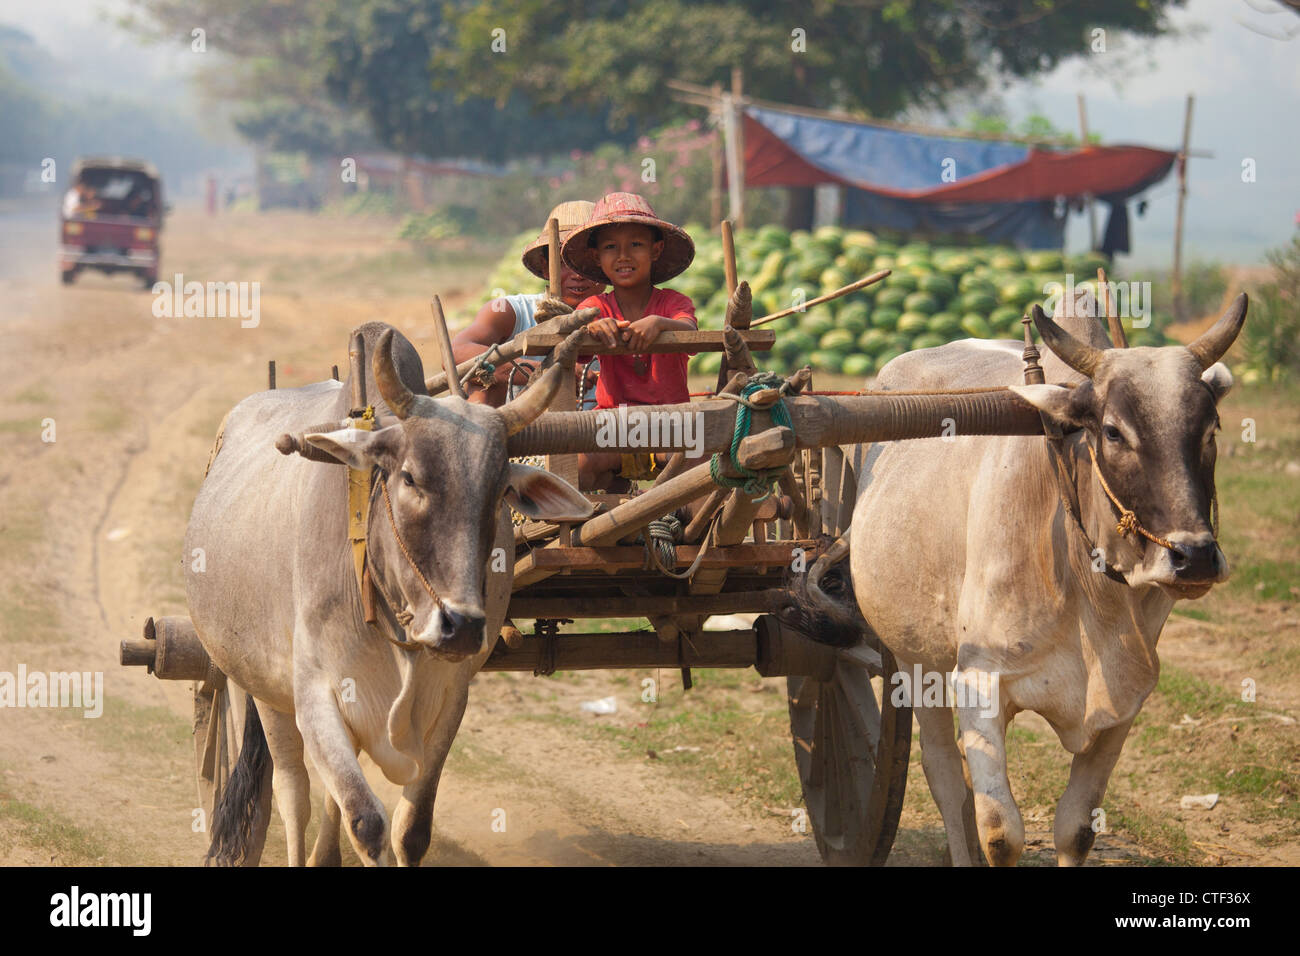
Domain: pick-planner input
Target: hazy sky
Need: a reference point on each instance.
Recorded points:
(1247, 90)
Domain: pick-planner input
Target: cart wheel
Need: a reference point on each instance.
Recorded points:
(218, 735)
(851, 747)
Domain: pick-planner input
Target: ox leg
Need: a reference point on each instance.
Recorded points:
(413, 818)
(983, 737)
(332, 751)
(944, 772)
(1089, 775)
(327, 851)
(289, 780)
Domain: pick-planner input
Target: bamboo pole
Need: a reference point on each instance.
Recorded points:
(737, 98)
(1176, 277)
(729, 267)
(1092, 208)
(1117, 337)
(444, 346)
(553, 257)
(821, 299)
(717, 160)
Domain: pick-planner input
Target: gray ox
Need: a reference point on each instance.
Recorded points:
(964, 557)
(279, 610)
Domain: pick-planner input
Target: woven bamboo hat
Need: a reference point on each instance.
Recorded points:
(628, 207)
(571, 215)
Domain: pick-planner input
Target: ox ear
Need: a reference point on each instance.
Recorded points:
(1066, 406)
(539, 494)
(1218, 379)
(356, 448)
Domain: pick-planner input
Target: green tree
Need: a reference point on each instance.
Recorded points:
(877, 56)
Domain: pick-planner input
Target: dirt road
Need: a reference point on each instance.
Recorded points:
(111, 412)
(93, 523)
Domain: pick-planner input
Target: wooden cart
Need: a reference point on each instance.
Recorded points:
(742, 551)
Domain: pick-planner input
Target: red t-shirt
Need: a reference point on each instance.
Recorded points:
(665, 381)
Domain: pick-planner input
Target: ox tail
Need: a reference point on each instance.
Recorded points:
(234, 818)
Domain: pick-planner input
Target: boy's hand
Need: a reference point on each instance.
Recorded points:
(643, 331)
(605, 329)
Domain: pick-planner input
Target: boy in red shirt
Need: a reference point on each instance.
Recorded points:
(625, 244)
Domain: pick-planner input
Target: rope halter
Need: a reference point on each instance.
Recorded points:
(1128, 522)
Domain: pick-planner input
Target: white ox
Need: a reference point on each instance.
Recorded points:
(279, 610)
(965, 558)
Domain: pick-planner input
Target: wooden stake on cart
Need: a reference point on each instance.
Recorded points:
(1117, 337)
(444, 346)
(851, 287)
(565, 466)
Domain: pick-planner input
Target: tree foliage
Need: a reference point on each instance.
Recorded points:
(880, 56)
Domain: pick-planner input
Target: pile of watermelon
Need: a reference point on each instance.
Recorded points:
(936, 293)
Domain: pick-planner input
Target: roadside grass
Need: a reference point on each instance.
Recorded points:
(28, 614)
(138, 731)
(53, 837)
(731, 732)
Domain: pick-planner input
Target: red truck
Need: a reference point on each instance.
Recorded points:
(110, 220)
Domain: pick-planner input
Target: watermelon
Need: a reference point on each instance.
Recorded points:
(798, 342)
(856, 261)
(974, 324)
(873, 341)
(1005, 318)
(881, 262)
(957, 265)
(947, 324)
(852, 313)
(832, 279)
(928, 341)
(938, 285)
(1017, 290)
(910, 323)
(1044, 262)
(902, 280)
(921, 302)
(884, 318)
(891, 298)
(859, 366)
(707, 363)
(859, 239)
(1007, 261)
(855, 322)
(898, 342)
(836, 340)
(974, 282)
(824, 361)
(816, 324)
(909, 258)
(775, 235)
(812, 265)
(978, 301)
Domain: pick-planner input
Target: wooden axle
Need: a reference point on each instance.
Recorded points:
(171, 650)
(774, 649)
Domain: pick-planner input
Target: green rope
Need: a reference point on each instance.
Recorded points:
(760, 481)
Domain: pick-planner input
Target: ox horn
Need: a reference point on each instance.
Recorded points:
(1215, 341)
(399, 398)
(1081, 357)
(521, 412)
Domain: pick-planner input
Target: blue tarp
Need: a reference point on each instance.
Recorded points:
(891, 159)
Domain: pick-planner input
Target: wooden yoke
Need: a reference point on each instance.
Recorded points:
(566, 399)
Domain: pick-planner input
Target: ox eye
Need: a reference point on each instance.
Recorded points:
(1112, 433)
(407, 479)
